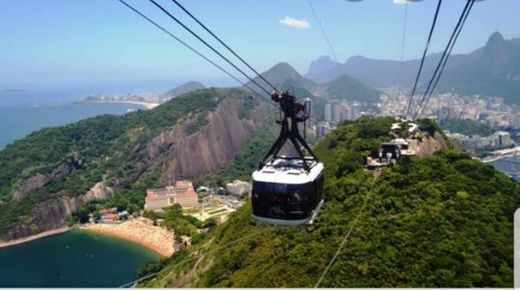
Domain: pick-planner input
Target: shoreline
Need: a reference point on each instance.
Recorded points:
(147, 105)
(501, 154)
(140, 231)
(5, 244)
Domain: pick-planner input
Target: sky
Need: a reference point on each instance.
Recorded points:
(53, 43)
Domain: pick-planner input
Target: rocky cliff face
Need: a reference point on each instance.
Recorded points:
(182, 155)
(208, 150)
(40, 180)
(429, 145)
(53, 214)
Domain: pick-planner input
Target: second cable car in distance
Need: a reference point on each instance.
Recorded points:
(288, 190)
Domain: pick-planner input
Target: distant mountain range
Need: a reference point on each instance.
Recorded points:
(285, 77)
(493, 70)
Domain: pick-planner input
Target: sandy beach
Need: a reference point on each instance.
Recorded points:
(4, 244)
(138, 230)
(144, 104)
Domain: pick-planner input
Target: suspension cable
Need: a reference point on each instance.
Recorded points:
(188, 46)
(423, 57)
(208, 45)
(323, 31)
(347, 235)
(403, 41)
(223, 43)
(446, 59)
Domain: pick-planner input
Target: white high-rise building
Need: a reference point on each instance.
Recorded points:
(308, 108)
(349, 111)
(328, 112)
(322, 129)
(504, 139)
(336, 113)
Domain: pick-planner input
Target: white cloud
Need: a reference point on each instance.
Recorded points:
(296, 23)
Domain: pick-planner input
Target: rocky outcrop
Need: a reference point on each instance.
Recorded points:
(428, 145)
(211, 148)
(181, 154)
(40, 180)
(53, 214)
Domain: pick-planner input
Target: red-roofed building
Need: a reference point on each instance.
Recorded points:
(182, 193)
(111, 217)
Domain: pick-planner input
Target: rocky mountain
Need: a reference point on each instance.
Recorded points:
(443, 220)
(491, 70)
(285, 77)
(183, 89)
(282, 75)
(49, 174)
(320, 68)
(374, 72)
(347, 88)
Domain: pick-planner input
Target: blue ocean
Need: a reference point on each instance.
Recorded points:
(22, 112)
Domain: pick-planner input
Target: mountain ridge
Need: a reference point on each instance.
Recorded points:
(492, 70)
(53, 170)
(284, 77)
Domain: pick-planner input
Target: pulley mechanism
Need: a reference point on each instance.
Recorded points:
(293, 112)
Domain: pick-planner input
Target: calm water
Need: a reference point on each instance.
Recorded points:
(73, 259)
(16, 122)
(77, 258)
(510, 166)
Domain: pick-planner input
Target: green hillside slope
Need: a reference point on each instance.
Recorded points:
(440, 221)
(350, 89)
(107, 148)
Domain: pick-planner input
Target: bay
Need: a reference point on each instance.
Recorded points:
(509, 166)
(73, 259)
(17, 122)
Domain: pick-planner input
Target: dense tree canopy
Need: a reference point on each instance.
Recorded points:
(467, 127)
(439, 221)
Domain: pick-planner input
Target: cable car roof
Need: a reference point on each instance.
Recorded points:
(288, 171)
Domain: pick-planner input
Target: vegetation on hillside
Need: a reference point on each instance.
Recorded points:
(182, 225)
(247, 160)
(350, 89)
(108, 147)
(467, 127)
(439, 221)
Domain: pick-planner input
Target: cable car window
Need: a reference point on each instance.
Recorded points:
(279, 188)
(258, 188)
(268, 188)
(299, 192)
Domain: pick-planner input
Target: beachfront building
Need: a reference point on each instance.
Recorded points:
(110, 218)
(503, 139)
(182, 193)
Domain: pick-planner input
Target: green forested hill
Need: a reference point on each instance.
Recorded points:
(90, 139)
(439, 221)
(350, 89)
(109, 146)
(466, 127)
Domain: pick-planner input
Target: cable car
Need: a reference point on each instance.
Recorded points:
(288, 190)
